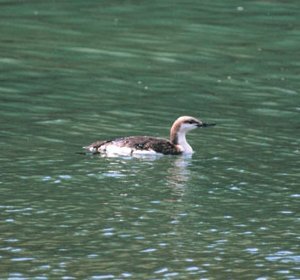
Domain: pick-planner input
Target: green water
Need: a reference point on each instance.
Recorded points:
(73, 72)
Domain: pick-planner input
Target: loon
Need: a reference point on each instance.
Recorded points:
(139, 145)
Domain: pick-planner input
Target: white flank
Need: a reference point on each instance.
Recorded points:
(116, 150)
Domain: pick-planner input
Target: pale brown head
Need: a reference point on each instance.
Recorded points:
(185, 124)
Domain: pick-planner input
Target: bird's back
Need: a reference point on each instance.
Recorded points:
(134, 144)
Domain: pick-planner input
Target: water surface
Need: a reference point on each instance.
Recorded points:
(75, 72)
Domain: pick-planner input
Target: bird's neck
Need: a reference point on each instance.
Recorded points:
(178, 138)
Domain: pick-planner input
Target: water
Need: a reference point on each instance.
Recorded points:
(75, 72)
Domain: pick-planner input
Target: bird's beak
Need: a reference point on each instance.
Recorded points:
(206, 124)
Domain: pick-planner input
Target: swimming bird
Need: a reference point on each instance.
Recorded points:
(142, 145)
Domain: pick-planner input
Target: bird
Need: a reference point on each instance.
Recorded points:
(148, 145)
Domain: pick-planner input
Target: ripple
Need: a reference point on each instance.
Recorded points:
(23, 259)
(149, 250)
(284, 257)
(103, 52)
(100, 277)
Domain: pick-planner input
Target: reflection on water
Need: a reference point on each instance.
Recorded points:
(77, 71)
(178, 174)
(174, 169)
